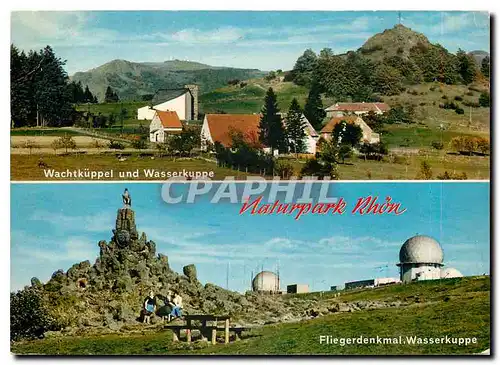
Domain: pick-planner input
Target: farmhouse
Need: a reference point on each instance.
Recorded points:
(368, 135)
(340, 109)
(183, 101)
(222, 127)
(163, 123)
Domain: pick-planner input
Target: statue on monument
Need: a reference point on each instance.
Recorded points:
(127, 198)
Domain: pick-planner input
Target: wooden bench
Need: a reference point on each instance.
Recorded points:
(206, 329)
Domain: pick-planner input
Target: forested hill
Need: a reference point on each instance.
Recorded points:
(385, 65)
(133, 80)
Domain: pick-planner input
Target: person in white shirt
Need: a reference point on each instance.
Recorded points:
(177, 308)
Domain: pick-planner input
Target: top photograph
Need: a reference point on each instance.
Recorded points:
(184, 95)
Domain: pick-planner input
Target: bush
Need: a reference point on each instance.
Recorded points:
(437, 145)
(140, 144)
(28, 317)
(444, 97)
(283, 169)
(320, 169)
(484, 99)
(472, 104)
(425, 172)
(459, 111)
(451, 176)
(115, 145)
(458, 98)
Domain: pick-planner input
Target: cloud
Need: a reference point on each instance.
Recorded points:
(38, 250)
(196, 36)
(30, 29)
(92, 223)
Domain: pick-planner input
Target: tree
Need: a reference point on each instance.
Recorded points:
(302, 71)
(295, 125)
(40, 94)
(466, 66)
(388, 80)
(313, 110)
(347, 133)
(67, 142)
(345, 151)
(485, 67)
(484, 99)
(110, 96)
(272, 133)
(20, 96)
(87, 96)
(31, 145)
(29, 318)
(425, 172)
(185, 142)
(122, 116)
(52, 97)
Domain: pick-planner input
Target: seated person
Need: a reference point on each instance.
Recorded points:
(149, 307)
(177, 309)
(166, 309)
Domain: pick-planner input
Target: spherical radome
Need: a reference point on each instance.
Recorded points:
(265, 281)
(450, 272)
(421, 249)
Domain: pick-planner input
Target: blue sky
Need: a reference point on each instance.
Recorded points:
(56, 225)
(264, 40)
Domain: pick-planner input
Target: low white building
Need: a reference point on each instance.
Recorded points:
(183, 101)
(162, 124)
(341, 109)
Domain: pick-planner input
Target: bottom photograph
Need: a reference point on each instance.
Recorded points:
(250, 268)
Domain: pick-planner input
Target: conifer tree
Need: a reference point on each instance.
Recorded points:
(313, 110)
(272, 133)
(295, 125)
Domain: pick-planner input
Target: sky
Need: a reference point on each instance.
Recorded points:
(54, 226)
(263, 40)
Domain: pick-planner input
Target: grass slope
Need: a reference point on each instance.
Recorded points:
(452, 307)
(26, 166)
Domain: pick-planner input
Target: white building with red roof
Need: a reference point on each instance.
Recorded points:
(340, 109)
(222, 127)
(164, 123)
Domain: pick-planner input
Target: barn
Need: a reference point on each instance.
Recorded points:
(183, 101)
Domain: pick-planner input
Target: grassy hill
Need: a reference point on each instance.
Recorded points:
(250, 98)
(131, 80)
(451, 307)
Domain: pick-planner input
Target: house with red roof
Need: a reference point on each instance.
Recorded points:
(164, 123)
(369, 136)
(222, 127)
(340, 109)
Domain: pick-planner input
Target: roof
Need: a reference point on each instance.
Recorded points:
(221, 126)
(359, 107)
(169, 119)
(421, 249)
(328, 128)
(165, 95)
